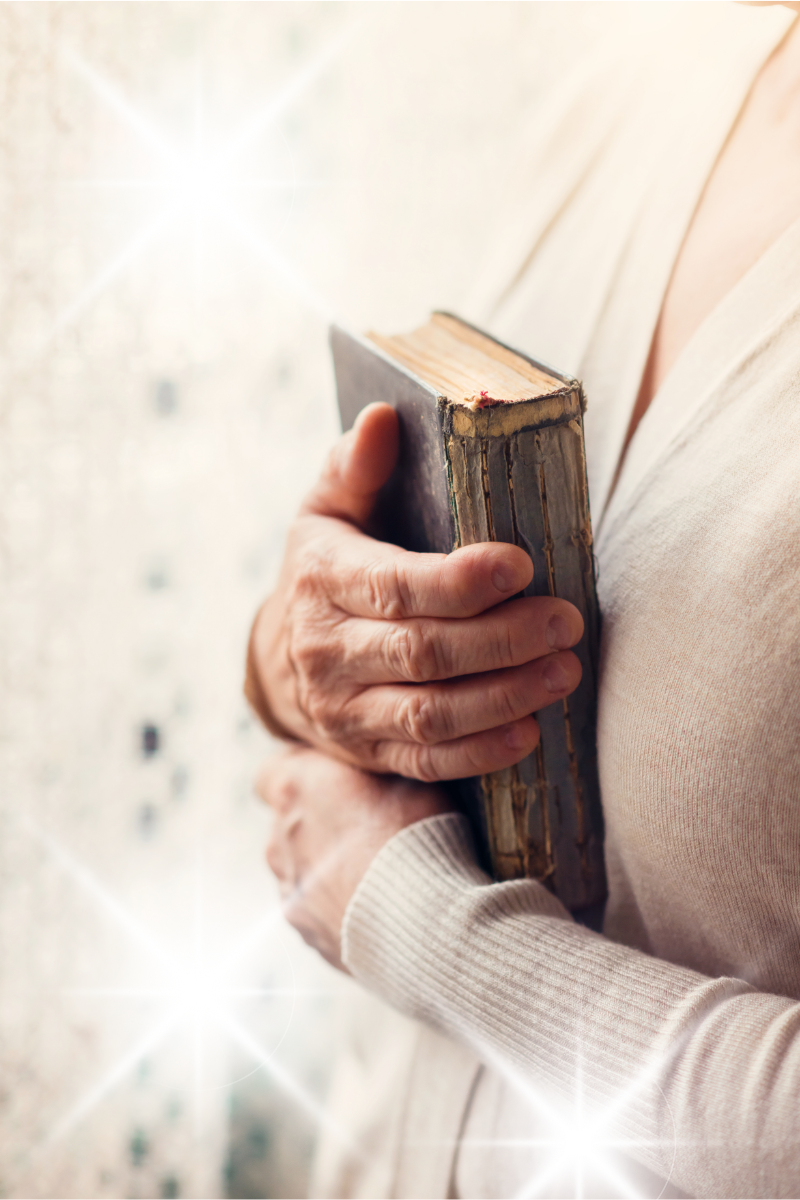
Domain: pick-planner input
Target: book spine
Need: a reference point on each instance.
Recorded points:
(541, 818)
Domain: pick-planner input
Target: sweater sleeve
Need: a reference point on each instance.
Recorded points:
(698, 1077)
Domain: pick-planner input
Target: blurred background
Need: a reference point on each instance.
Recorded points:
(189, 193)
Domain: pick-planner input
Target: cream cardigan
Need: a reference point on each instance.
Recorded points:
(681, 1022)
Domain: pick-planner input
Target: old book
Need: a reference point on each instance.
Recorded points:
(491, 449)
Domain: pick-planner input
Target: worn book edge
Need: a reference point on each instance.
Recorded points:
(482, 451)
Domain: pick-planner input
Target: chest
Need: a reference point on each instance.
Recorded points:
(699, 707)
(671, 194)
(752, 195)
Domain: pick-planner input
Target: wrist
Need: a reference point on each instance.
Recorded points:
(423, 866)
(408, 929)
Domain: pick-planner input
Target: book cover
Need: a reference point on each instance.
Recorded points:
(484, 469)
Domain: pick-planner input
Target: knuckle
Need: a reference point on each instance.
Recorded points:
(418, 653)
(420, 719)
(308, 654)
(387, 590)
(503, 642)
(313, 567)
(421, 764)
(330, 716)
(510, 702)
(301, 597)
(506, 643)
(314, 649)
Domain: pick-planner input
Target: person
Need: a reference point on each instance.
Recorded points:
(656, 255)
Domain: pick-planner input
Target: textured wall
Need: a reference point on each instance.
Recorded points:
(166, 399)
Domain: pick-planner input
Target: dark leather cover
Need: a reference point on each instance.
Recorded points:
(544, 816)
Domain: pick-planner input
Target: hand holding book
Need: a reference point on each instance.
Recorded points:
(491, 450)
(330, 820)
(402, 662)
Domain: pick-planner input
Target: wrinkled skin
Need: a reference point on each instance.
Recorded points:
(383, 665)
(330, 820)
(405, 663)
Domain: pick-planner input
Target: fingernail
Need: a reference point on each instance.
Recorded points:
(558, 634)
(503, 583)
(554, 676)
(515, 737)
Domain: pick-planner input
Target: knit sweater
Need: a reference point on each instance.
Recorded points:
(679, 1026)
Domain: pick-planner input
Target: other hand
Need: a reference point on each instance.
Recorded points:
(399, 662)
(331, 820)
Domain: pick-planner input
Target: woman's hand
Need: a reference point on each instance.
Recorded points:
(331, 819)
(399, 662)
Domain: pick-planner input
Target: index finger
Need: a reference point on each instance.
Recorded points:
(367, 578)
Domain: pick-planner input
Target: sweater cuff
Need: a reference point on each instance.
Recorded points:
(406, 903)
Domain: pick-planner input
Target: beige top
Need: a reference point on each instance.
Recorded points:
(681, 1024)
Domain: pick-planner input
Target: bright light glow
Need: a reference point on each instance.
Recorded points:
(198, 994)
(199, 186)
(193, 191)
(195, 993)
(577, 1147)
(198, 190)
(198, 181)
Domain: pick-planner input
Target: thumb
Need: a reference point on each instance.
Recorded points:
(358, 466)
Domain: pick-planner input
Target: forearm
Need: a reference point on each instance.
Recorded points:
(700, 1071)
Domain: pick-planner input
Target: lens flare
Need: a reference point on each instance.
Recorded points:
(198, 187)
